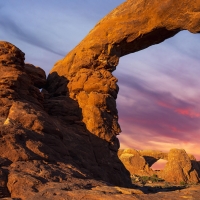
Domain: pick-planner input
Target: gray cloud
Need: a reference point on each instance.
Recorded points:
(11, 27)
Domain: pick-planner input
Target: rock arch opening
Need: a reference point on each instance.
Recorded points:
(159, 165)
(158, 96)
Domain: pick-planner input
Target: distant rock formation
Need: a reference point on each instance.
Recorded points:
(180, 167)
(152, 156)
(134, 162)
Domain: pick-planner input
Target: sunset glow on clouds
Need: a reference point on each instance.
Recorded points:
(158, 102)
(159, 96)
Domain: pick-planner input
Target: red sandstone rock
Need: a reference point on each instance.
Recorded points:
(135, 163)
(151, 156)
(179, 168)
(36, 74)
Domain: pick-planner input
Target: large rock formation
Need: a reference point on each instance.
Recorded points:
(180, 167)
(131, 27)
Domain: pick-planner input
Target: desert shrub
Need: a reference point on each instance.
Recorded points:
(183, 183)
(146, 179)
(155, 178)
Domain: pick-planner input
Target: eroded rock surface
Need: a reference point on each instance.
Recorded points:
(37, 75)
(131, 27)
(179, 168)
(134, 162)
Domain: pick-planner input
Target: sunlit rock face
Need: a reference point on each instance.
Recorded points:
(134, 162)
(139, 162)
(180, 168)
(131, 27)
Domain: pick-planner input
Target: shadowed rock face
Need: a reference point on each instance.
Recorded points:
(131, 27)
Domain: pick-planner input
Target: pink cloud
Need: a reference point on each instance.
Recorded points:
(183, 111)
(188, 112)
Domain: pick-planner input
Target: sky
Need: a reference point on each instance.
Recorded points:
(159, 95)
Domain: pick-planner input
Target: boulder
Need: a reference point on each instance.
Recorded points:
(134, 162)
(179, 168)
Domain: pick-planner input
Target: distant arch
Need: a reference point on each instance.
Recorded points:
(159, 165)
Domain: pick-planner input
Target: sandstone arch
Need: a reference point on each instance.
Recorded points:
(152, 156)
(132, 26)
